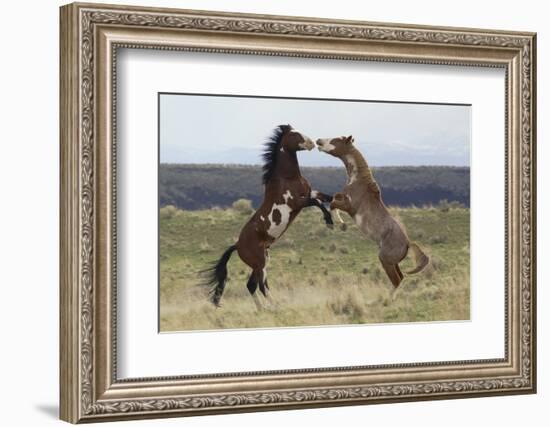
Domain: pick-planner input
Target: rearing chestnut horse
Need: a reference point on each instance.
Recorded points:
(287, 192)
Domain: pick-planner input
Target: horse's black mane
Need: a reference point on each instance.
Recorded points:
(270, 152)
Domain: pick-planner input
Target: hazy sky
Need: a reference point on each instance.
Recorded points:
(214, 129)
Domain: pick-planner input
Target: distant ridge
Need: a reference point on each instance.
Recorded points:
(194, 187)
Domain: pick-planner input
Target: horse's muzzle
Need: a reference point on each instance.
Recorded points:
(308, 144)
(321, 144)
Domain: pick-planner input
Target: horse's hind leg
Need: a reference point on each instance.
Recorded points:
(392, 270)
(264, 289)
(393, 249)
(399, 271)
(254, 256)
(253, 281)
(395, 275)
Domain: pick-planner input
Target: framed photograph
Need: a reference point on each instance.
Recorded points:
(266, 212)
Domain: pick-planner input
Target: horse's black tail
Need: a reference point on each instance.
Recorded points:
(217, 275)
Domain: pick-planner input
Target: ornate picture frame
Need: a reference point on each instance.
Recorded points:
(90, 37)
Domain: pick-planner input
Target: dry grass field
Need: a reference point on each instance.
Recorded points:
(318, 276)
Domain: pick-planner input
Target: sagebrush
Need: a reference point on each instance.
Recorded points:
(318, 276)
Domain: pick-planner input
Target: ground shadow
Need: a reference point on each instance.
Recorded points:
(49, 409)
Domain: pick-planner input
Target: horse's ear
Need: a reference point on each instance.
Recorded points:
(349, 140)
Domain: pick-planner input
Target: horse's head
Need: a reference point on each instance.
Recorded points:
(337, 147)
(294, 140)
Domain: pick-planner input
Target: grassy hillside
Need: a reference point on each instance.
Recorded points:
(318, 276)
(206, 186)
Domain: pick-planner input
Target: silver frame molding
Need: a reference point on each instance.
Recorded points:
(90, 37)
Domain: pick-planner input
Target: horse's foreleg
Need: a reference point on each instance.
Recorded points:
(325, 198)
(326, 214)
(336, 212)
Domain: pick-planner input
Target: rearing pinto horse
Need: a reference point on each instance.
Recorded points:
(286, 193)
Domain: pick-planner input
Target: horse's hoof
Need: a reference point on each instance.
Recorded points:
(343, 226)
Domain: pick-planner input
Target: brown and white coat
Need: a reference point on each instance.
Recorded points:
(286, 193)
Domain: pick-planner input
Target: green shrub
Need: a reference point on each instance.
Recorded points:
(204, 246)
(243, 206)
(168, 212)
(456, 205)
(438, 239)
(444, 205)
(349, 304)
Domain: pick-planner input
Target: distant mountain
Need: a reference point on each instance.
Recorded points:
(196, 187)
